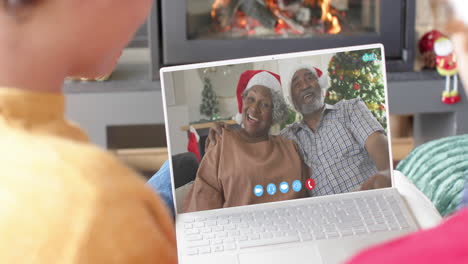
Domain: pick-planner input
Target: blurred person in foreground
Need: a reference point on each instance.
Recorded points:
(62, 200)
(448, 242)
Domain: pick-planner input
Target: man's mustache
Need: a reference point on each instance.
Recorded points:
(309, 90)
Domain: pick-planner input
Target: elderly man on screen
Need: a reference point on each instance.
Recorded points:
(343, 143)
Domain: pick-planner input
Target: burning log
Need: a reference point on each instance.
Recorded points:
(258, 10)
(255, 9)
(295, 26)
(280, 16)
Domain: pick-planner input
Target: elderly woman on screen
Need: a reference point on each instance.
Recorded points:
(250, 166)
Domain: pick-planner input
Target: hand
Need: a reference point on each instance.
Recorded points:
(214, 134)
(380, 180)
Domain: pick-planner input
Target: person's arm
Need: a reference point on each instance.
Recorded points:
(206, 192)
(160, 182)
(370, 135)
(377, 147)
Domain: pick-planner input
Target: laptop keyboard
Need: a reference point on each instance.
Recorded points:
(314, 221)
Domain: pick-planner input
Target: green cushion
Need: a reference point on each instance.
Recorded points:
(438, 168)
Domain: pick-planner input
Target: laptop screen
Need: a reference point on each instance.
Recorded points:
(296, 125)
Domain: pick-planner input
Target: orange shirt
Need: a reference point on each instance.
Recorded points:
(63, 200)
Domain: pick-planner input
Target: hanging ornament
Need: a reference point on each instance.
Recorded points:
(341, 77)
(382, 107)
(356, 86)
(328, 94)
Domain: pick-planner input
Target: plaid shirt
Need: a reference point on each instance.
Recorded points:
(336, 150)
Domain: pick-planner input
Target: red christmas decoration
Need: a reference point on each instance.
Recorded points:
(328, 94)
(356, 86)
(382, 107)
(426, 48)
(426, 43)
(446, 100)
(341, 77)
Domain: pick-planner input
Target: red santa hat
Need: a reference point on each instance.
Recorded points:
(323, 80)
(250, 78)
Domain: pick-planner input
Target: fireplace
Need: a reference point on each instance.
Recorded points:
(207, 30)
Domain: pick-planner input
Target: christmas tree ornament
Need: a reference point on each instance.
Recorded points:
(356, 86)
(426, 48)
(447, 66)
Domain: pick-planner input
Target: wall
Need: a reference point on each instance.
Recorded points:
(94, 111)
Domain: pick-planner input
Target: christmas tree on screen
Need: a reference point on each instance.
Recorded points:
(209, 105)
(357, 74)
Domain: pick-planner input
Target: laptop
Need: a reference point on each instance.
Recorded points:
(315, 228)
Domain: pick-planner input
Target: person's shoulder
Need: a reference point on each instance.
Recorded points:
(226, 137)
(282, 140)
(64, 186)
(291, 129)
(348, 103)
(74, 165)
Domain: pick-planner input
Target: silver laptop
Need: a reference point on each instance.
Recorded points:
(317, 228)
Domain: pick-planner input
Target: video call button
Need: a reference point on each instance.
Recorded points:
(271, 189)
(258, 190)
(284, 187)
(310, 184)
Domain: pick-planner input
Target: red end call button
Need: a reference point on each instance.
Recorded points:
(310, 184)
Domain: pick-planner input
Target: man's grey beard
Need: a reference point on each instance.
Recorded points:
(313, 107)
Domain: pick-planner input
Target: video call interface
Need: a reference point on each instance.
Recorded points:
(295, 128)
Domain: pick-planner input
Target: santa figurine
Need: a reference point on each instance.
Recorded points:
(446, 65)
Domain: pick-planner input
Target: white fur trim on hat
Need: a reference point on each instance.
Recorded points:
(460, 8)
(324, 80)
(265, 79)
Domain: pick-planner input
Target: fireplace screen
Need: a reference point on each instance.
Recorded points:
(245, 19)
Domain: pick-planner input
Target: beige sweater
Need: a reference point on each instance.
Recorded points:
(232, 168)
(63, 200)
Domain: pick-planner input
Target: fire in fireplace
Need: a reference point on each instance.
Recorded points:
(285, 18)
(207, 30)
